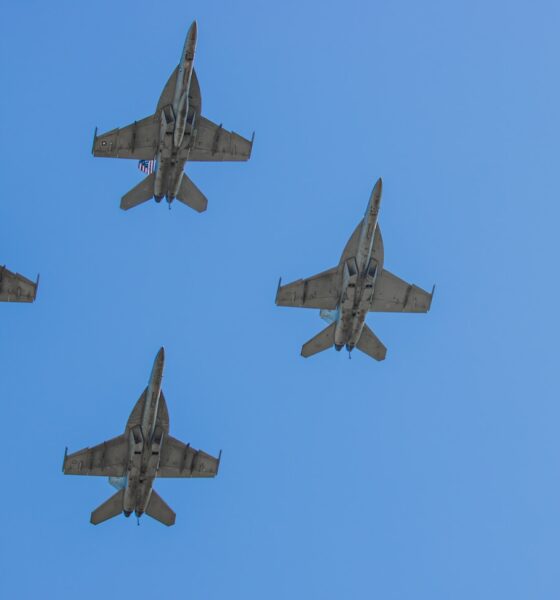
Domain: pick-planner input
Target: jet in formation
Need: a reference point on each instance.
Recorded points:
(174, 134)
(358, 285)
(16, 288)
(143, 452)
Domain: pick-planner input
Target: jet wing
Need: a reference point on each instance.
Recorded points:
(319, 291)
(108, 459)
(138, 140)
(180, 460)
(213, 143)
(16, 288)
(392, 294)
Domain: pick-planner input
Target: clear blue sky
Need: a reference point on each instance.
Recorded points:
(434, 475)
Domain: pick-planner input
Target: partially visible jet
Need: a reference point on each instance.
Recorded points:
(358, 285)
(143, 452)
(174, 134)
(16, 288)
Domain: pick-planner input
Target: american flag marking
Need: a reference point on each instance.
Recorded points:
(147, 166)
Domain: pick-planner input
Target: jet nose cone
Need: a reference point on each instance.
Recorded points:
(193, 30)
(160, 357)
(378, 186)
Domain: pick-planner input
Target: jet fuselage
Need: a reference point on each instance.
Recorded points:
(358, 279)
(145, 446)
(177, 126)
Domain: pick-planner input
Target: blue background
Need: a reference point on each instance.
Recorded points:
(432, 475)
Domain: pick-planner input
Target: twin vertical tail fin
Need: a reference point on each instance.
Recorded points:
(322, 341)
(158, 510)
(142, 192)
(190, 195)
(368, 343)
(371, 345)
(109, 509)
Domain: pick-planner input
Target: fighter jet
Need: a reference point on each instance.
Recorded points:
(358, 285)
(143, 452)
(174, 134)
(16, 288)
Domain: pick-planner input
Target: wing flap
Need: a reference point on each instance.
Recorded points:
(213, 143)
(108, 459)
(137, 140)
(392, 294)
(180, 460)
(319, 291)
(16, 288)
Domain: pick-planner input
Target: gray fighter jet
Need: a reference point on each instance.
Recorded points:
(143, 452)
(174, 134)
(16, 288)
(358, 285)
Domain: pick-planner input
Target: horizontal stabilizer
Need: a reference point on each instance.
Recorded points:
(143, 192)
(109, 509)
(322, 341)
(158, 510)
(371, 345)
(190, 195)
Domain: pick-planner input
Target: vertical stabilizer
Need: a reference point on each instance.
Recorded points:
(158, 510)
(371, 345)
(190, 195)
(322, 341)
(142, 192)
(109, 509)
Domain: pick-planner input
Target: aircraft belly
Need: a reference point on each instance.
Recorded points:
(129, 501)
(143, 495)
(354, 306)
(349, 327)
(144, 498)
(168, 177)
(357, 328)
(343, 327)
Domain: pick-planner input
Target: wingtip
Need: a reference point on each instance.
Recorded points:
(303, 353)
(252, 142)
(94, 140)
(219, 460)
(278, 290)
(64, 459)
(432, 296)
(36, 286)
